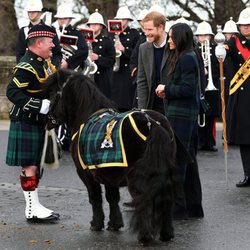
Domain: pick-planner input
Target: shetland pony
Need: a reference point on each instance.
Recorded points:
(150, 174)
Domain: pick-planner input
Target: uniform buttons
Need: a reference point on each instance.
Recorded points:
(100, 39)
(100, 47)
(241, 88)
(125, 33)
(126, 65)
(128, 39)
(126, 47)
(239, 52)
(98, 72)
(240, 64)
(100, 55)
(31, 59)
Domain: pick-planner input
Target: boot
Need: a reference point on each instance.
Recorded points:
(245, 182)
(35, 212)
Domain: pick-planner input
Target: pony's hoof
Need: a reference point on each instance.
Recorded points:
(146, 240)
(95, 228)
(115, 227)
(166, 238)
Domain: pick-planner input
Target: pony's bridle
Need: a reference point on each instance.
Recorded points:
(54, 102)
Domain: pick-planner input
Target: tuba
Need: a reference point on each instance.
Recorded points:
(67, 43)
(90, 67)
(67, 51)
(118, 54)
(206, 56)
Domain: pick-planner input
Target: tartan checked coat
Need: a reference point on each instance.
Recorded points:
(182, 96)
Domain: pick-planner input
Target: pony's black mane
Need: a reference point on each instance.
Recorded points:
(81, 98)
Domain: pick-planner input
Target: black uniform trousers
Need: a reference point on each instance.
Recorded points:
(245, 157)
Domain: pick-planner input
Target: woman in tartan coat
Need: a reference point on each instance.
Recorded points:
(180, 90)
(28, 115)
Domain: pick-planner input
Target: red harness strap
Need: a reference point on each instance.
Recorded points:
(243, 50)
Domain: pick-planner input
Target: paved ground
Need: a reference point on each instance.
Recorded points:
(225, 226)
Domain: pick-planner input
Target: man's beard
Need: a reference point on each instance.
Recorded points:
(155, 38)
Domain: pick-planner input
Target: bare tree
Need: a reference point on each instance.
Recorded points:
(105, 7)
(8, 27)
(216, 12)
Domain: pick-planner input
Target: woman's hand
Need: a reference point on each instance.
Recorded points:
(160, 91)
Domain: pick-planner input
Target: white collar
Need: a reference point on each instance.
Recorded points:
(162, 45)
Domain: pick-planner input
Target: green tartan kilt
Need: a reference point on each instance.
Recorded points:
(25, 144)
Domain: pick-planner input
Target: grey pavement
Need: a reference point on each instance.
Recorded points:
(225, 225)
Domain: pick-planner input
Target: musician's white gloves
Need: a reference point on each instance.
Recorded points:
(64, 64)
(45, 106)
(220, 52)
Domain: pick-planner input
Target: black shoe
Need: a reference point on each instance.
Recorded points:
(245, 182)
(54, 217)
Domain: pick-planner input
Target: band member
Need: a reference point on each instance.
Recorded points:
(28, 115)
(207, 134)
(122, 89)
(34, 9)
(238, 108)
(103, 54)
(230, 29)
(73, 55)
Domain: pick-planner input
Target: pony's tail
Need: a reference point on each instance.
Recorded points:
(152, 181)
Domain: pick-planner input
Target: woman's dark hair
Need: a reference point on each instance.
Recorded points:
(183, 38)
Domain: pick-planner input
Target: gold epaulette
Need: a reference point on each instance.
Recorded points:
(26, 66)
(240, 77)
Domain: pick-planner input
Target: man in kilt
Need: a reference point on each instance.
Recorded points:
(28, 115)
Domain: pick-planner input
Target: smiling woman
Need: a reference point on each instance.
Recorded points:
(180, 92)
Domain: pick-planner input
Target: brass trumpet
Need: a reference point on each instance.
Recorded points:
(118, 54)
(90, 67)
(206, 56)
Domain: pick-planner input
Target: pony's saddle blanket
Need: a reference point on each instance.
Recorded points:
(100, 142)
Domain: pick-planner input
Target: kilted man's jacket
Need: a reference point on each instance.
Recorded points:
(26, 91)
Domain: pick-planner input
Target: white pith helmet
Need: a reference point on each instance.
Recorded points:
(182, 20)
(244, 17)
(142, 14)
(168, 25)
(34, 5)
(204, 28)
(96, 18)
(123, 13)
(157, 8)
(230, 27)
(64, 11)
